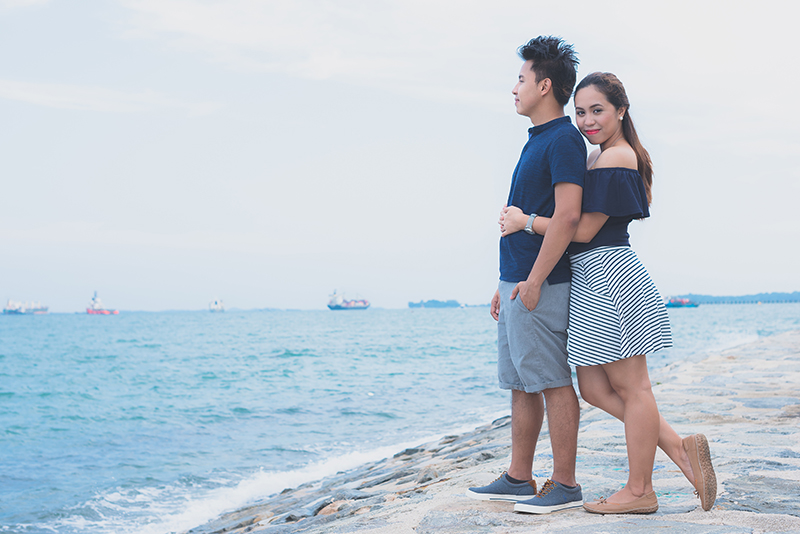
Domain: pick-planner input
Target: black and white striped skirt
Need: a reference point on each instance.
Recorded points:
(615, 310)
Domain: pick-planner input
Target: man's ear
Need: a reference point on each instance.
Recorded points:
(545, 86)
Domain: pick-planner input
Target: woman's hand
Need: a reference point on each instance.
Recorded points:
(502, 217)
(511, 220)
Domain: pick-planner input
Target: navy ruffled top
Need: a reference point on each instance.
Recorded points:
(619, 193)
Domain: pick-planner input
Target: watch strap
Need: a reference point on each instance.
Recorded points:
(529, 225)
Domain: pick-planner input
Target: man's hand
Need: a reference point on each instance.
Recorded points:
(495, 308)
(529, 293)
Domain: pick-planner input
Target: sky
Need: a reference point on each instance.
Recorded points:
(165, 153)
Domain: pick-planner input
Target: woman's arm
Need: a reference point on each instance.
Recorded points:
(588, 226)
(513, 220)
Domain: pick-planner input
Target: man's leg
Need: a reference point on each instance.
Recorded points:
(562, 490)
(527, 413)
(563, 415)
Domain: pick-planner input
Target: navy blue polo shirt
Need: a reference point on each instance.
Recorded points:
(555, 153)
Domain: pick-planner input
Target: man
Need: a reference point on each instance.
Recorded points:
(531, 304)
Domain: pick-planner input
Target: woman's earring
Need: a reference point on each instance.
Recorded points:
(622, 117)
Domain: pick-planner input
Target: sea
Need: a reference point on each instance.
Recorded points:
(152, 423)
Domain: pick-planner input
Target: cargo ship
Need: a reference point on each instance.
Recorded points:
(96, 307)
(19, 308)
(337, 302)
(680, 303)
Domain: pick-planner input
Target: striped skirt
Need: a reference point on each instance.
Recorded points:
(615, 310)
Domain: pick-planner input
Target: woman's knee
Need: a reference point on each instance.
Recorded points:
(593, 392)
(634, 390)
(587, 394)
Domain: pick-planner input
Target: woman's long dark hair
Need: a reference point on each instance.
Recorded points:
(614, 91)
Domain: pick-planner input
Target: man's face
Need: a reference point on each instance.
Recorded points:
(526, 93)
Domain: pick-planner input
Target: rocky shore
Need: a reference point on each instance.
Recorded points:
(745, 399)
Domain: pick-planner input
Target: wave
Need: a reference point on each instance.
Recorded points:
(726, 340)
(193, 502)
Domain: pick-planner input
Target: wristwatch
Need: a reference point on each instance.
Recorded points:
(529, 225)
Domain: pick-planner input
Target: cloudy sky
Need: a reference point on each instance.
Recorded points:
(168, 152)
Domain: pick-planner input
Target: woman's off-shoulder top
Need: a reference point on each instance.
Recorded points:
(619, 193)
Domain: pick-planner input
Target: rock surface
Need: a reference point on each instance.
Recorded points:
(746, 400)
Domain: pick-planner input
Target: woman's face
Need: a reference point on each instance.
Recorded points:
(596, 118)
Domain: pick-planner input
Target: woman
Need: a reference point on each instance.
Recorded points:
(616, 314)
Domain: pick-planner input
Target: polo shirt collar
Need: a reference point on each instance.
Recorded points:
(536, 130)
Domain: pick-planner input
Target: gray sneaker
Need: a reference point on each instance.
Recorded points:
(553, 497)
(503, 489)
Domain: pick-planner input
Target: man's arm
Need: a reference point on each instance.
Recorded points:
(560, 231)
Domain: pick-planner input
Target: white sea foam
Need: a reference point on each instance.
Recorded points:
(200, 510)
(179, 508)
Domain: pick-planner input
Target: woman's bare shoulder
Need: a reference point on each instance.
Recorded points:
(617, 156)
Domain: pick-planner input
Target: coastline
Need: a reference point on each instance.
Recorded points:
(745, 399)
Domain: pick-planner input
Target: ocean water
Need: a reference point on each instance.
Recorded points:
(158, 422)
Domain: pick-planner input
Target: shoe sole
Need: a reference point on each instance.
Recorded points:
(533, 509)
(707, 474)
(622, 510)
(496, 497)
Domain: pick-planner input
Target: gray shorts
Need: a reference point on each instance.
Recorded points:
(532, 345)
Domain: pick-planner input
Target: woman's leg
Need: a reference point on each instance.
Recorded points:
(597, 391)
(630, 381)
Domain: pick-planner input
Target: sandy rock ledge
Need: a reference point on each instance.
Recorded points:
(746, 400)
